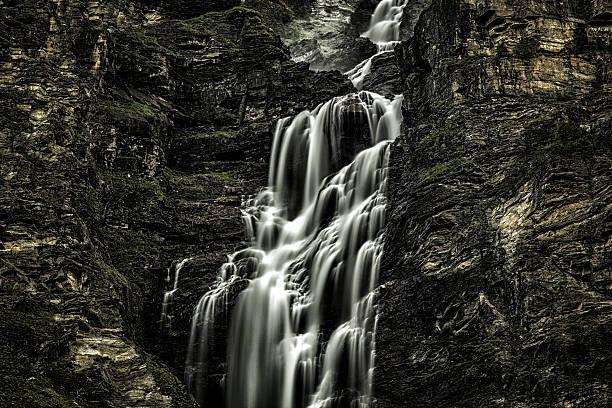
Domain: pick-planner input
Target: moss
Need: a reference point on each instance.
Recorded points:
(170, 385)
(568, 141)
(150, 42)
(206, 24)
(23, 382)
(125, 241)
(220, 134)
(112, 276)
(178, 180)
(131, 253)
(223, 175)
(213, 172)
(125, 185)
(35, 392)
(28, 329)
(255, 36)
(215, 22)
(522, 170)
(441, 168)
(127, 107)
(432, 139)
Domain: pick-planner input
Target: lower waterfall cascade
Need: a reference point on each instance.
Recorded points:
(302, 333)
(303, 329)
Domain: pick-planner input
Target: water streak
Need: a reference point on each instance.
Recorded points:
(166, 318)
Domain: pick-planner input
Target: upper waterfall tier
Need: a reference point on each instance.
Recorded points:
(384, 31)
(385, 23)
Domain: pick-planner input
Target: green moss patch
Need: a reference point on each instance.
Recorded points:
(110, 278)
(237, 31)
(26, 378)
(170, 385)
(130, 250)
(441, 168)
(433, 138)
(568, 141)
(124, 185)
(28, 330)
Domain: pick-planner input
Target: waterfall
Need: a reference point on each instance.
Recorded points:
(166, 319)
(385, 23)
(384, 31)
(301, 333)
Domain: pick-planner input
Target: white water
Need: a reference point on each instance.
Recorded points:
(385, 23)
(166, 318)
(302, 331)
(384, 31)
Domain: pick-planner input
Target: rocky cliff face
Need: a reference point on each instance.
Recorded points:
(132, 130)
(496, 283)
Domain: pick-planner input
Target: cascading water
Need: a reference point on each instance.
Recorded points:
(385, 23)
(384, 31)
(302, 331)
(166, 319)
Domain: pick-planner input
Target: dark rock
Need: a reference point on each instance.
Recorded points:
(495, 283)
(131, 132)
(121, 155)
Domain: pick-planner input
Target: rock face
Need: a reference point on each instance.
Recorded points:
(328, 35)
(496, 279)
(131, 132)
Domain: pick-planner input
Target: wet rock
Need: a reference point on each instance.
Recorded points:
(327, 37)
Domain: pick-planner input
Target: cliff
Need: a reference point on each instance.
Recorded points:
(131, 130)
(496, 279)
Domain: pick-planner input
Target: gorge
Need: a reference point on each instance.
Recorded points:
(305, 203)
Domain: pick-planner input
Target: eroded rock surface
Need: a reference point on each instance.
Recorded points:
(131, 132)
(497, 274)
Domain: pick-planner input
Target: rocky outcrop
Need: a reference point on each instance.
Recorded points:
(327, 36)
(495, 287)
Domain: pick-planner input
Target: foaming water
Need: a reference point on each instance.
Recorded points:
(385, 23)
(302, 332)
(384, 31)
